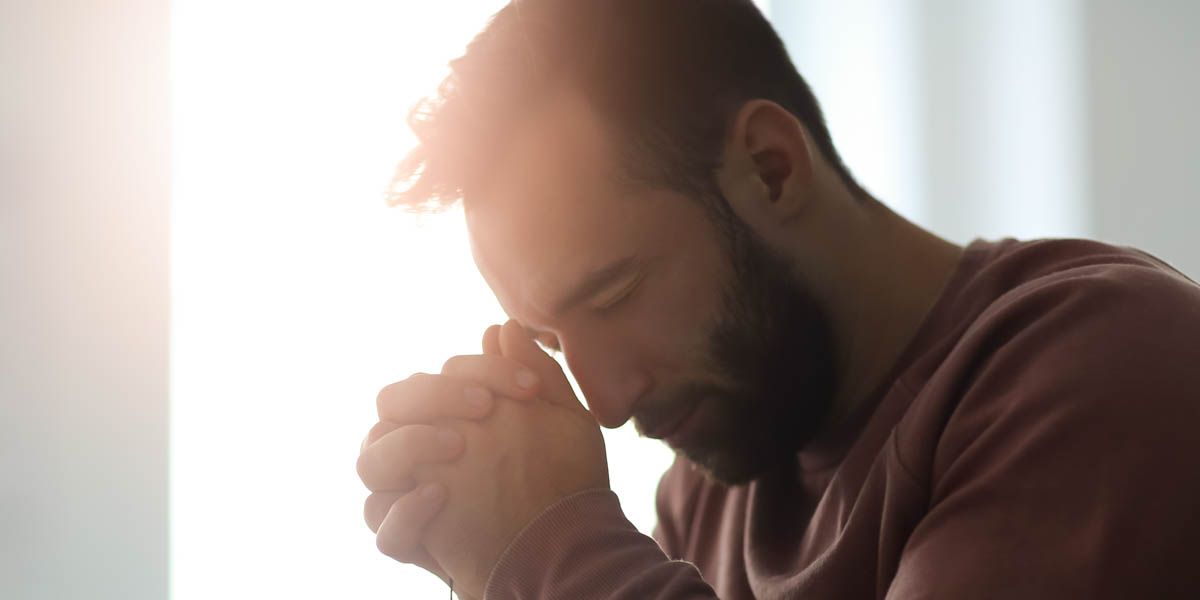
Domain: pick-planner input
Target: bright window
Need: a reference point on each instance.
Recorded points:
(296, 293)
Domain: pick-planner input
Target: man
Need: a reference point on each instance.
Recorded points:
(859, 408)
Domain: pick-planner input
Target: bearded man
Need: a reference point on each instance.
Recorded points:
(859, 408)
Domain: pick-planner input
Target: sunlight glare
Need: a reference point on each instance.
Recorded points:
(296, 293)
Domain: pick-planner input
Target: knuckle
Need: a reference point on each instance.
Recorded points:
(398, 393)
(390, 546)
(494, 372)
(376, 507)
(396, 539)
(420, 378)
(381, 397)
(391, 391)
(383, 467)
(452, 364)
(362, 467)
(371, 513)
(377, 431)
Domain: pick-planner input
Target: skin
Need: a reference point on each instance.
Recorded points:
(552, 213)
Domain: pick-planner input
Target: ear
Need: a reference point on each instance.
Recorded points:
(767, 165)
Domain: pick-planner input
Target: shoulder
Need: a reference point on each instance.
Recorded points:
(1086, 304)
(1081, 342)
(1045, 297)
(1058, 441)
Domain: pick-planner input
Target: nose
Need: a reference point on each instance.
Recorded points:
(609, 377)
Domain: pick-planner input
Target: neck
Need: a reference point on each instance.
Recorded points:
(896, 277)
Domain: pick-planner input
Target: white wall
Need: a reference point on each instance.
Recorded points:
(963, 116)
(1144, 126)
(83, 299)
(1024, 118)
(1002, 118)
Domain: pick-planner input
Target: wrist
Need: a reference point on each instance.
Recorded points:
(554, 535)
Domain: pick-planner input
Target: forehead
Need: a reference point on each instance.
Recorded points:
(552, 210)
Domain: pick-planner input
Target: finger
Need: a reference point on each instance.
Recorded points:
(388, 463)
(423, 398)
(379, 430)
(399, 533)
(376, 507)
(503, 376)
(517, 345)
(491, 340)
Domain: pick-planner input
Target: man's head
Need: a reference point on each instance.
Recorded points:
(665, 75)
(633, 173)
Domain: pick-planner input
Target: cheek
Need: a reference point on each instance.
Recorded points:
(685, 318)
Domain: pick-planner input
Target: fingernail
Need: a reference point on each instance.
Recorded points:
(477, 398)
(526, 379)
(449, 440)
(432, 492)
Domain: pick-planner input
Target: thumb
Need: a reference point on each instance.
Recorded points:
(516, 344)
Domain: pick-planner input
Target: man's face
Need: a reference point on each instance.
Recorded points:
(703, 337)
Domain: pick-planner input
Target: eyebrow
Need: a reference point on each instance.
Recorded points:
(594, 283)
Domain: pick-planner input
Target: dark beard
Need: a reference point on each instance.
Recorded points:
(772, 348)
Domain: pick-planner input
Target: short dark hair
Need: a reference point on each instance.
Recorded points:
(666, 76)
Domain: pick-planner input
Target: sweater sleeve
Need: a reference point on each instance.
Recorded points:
(583, 548)
(1068, 468)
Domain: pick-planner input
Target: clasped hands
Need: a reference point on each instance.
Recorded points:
(460, 462)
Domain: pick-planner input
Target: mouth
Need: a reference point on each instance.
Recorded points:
(673, 431)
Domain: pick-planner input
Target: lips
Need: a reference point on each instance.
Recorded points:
(685, 429)
(674, 429)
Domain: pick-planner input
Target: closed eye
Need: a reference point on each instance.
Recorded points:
(621, 296)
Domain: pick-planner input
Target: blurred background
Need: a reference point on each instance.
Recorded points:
(201, 289)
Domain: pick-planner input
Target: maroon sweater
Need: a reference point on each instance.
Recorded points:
(1038, 438)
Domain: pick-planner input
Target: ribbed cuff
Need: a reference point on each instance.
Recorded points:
(559, 533)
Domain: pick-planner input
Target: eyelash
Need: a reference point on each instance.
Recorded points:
(622, 297)
(553, 348)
